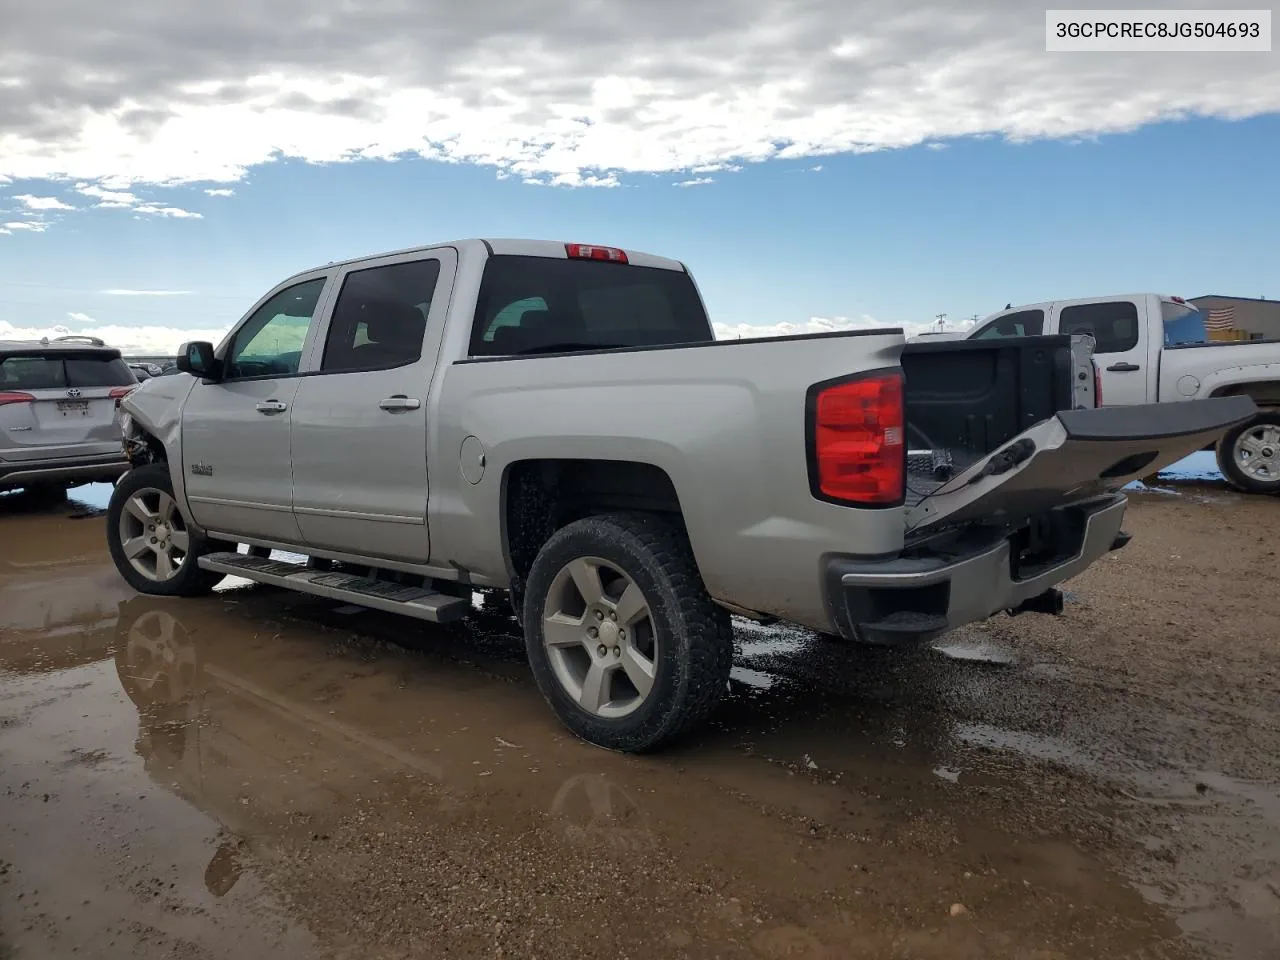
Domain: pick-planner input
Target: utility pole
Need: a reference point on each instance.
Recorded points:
(942, 321)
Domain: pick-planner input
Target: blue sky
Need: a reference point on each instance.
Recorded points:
(913, 214)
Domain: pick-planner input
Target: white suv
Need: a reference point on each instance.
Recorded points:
(59, 412)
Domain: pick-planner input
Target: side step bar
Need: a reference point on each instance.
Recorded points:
(416, 602)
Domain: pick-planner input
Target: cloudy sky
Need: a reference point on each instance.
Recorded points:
(816, 162)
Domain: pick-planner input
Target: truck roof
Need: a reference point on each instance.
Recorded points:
(507, 246)
(1046, 304)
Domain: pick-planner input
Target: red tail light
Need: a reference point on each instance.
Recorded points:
(1097, 385)
(119, 393)
(582, 251)
(7, 396)
(856, 446)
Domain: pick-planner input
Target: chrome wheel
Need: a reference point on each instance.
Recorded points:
(600, 638)
(153, 534)
(1257, 453)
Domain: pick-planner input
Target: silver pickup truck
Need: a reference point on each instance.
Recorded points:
(557, 421)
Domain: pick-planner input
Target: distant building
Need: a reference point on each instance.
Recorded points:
(1258, 318)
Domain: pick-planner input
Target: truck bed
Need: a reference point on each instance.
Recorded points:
(966, 398)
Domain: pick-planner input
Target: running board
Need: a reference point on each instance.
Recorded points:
(417, 602)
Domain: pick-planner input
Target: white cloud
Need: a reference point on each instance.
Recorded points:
(42, 203)
(107, 198)
(189, 92)
(80, 318)
(121, 292)
(125, 200)
(29, 226)
(221, 192)
(156, 210)
(133, 341)
(694, 182)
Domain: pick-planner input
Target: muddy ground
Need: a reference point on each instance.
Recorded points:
(263, 774)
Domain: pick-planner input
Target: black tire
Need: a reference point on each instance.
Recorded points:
(189, 580)
(695, 639)
(1226, 454)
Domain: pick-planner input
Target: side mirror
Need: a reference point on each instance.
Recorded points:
(197, 359)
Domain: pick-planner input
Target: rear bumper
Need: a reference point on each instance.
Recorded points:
(912, 598)
(68, 470)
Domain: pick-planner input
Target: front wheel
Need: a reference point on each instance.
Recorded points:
(1249, 455)
(149, 540)
(624, 641)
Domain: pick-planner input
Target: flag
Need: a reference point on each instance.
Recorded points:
(1221, 318)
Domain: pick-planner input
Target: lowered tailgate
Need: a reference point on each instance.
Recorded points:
(1075, 455)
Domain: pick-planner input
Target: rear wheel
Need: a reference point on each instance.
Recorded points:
(1249, 455)
(624, 641)
(149, 540)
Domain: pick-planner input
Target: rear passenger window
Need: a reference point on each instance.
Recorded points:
(380, 319)
(1113, 326)
(1024, 323)
(548, 305)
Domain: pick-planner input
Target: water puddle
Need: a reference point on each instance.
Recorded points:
(261, 773)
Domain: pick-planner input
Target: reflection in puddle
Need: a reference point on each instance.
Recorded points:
(754, 679)
(94, 496)
(1033, 745)
(599, 813)
(976, 652)
(389, 777)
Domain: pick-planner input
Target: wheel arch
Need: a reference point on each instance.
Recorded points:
(539, 496)
(1264, 390)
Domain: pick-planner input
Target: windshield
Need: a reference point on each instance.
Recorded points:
(1183, 323)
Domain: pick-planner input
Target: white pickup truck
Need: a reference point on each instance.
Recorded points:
(1153, 348)
(558, 421)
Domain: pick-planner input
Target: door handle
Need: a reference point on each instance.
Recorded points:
(400, 403)
(1123, 367)
(271, 406)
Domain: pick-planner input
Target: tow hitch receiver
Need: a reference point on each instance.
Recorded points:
(1051, 602)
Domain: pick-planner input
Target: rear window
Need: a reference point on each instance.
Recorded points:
(62, 370)
(543, 305)
(1113, 326)
(1024, 323)
(1183, 323)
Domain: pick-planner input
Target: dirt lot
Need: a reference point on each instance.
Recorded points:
(261, 774)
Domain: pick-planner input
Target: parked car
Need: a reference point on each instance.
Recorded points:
(559, 421)
(59, 413)
(144, 370)
(1154, 348)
